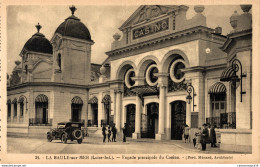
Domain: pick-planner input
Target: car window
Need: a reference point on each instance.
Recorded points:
(75, 125)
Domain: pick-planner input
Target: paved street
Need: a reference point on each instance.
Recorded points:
(94, 145)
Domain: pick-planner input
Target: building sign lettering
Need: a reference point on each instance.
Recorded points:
(151, 29)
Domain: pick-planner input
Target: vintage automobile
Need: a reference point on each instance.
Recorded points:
(67, 131)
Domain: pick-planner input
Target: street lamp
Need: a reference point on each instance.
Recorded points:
(236, 65)
(188, 99)
(190, 89)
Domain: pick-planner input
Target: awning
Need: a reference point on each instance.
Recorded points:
(227, 74)
(21, 99)
(76, 100)
(145, 90)
(93, 100)
(9, 101)
(217, 88)
(14, 101)
(41, 98)
(106, 99)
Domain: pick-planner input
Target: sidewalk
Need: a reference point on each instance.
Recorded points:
(178, 143)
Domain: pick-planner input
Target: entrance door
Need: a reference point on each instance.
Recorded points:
(178, 119)
(152, 119)
(76, 112)
(41, 116)
(45, 116)
(95, 114)
(130, 119)
(107, 111)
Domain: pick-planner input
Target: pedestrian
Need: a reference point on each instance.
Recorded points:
(205, 137)
(114, 131)
(198, 138)
(186, 133)
(124, 133)
(108, 134)
(212, 136)
(104, 133)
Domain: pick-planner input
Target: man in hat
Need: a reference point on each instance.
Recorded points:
(212, 135)
(114, 131)
(205, 137)
(124, 133)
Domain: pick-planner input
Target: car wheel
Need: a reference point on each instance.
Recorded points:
(64, 138)
(49, 138)
(79, 141)
(77, 134)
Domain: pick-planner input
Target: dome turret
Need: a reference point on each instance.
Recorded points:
(73, 27)
(38, 43)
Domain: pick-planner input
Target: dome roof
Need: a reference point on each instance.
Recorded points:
(38, 43)
(73, 27)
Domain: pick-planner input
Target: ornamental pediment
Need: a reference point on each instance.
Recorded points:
(147, 13)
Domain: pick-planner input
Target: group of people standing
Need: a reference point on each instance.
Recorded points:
(205, 136)
(106, 132)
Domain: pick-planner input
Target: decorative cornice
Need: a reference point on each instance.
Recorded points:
(204, 68)
(193, 69)
(234, 35)
(198, 29)
(46, 84)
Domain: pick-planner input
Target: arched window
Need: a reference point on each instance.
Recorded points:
(107, 105)
(76, 107)
(15, 107)
(59, 60)
(9, 108)
(26, 69)
(21, 101)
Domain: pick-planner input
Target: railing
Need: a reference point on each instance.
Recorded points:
(40, 122)
(225, 121)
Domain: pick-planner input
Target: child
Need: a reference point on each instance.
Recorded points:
(198, 138)
(109, 134)
(186, 133)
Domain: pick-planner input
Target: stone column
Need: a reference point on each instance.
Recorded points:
(188, 114)
(18, 112)
(12, 112)
(161, 132)
(118, 109)
(31, 105)
(100, 109)
(137, 133)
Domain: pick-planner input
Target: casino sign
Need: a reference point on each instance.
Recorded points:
(151, 29)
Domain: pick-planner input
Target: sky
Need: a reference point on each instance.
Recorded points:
(102, 21)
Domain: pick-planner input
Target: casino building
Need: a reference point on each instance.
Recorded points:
(163, 72)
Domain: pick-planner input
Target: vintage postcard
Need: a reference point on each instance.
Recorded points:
(129, 82)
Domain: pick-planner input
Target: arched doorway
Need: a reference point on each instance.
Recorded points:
(218, 114)
(178, 120)
(41, 109)
(107, 106)
(130, 119)
(76, 107)
(93, 120)
(152, 119)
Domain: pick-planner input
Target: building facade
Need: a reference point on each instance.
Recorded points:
(164, 72)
